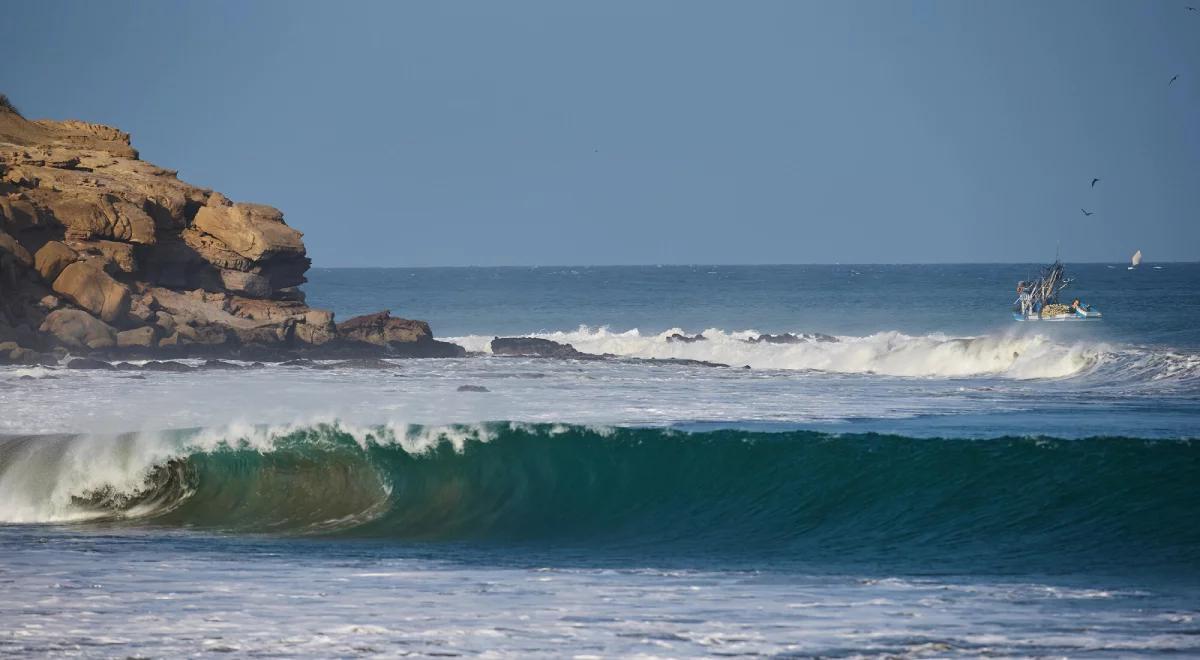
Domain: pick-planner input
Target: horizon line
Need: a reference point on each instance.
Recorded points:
(744, 265)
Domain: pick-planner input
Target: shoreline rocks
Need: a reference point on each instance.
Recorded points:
(537, 347)
(105, 255)
(685, 339)
(789, 338)
(400, 337)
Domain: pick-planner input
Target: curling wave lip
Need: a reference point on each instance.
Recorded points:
(793, 496)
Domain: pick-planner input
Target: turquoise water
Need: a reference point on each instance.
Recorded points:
(933, 479)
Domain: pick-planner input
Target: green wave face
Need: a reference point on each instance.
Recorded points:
(794, 497)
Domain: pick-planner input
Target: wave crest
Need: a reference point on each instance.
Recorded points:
(884, 353)
(801, 495)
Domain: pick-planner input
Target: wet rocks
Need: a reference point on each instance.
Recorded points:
(789, 338)
(382, 329)
(13, 353)
(675, 362)
(544, 348)
(537, 347)
(167, 366)
(685, 339)
(90, 363)
(221, 365)
(472, 388)
(361, 363)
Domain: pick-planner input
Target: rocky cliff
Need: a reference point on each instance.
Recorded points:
(102, 252)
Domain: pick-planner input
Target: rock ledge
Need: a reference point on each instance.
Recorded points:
(106, 255)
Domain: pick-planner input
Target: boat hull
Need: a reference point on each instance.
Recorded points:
(1079, 315)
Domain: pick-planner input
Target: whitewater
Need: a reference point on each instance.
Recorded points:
(889, 475)
(886, 353)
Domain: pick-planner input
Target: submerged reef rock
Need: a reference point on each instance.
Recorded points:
(102, 253)
(537, 347)
(789, 338)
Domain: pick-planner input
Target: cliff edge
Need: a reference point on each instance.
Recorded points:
(104, 253)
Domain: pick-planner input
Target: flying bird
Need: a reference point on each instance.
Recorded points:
(1173, 79)
(1085, 212)
(1094, 182)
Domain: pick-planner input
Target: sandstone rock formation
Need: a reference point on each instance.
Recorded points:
(411, 338)
(103, 252)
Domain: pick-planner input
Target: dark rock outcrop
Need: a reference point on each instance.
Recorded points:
(400, 337)
(220, 365)
(472, 388)
(685, 339)
(103, 253)
(360, 363)
(675, 362)
(90, 363)
(13, 353)
(544, 348)
(536, 347)
(167, 365)
(789, 338)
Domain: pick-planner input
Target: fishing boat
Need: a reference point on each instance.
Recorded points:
(1037, 299)
(1136, 260)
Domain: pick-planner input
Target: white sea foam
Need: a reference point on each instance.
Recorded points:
(885, 353)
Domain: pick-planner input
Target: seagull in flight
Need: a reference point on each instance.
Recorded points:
(1085, 212)
(1094, 182)
(1173, 79)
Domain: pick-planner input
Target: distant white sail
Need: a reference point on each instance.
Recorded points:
(1137, 258)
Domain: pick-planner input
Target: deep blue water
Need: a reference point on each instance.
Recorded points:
(936, 480)
(1146, 305)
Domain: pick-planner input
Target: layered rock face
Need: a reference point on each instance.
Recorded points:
(101, 251)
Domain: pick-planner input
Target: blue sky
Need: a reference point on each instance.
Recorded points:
(483, 133)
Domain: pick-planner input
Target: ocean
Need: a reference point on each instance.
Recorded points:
(914, 474)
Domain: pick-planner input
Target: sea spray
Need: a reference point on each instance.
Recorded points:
(886, 353)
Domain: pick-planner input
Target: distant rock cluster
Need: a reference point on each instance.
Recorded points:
(104, 253)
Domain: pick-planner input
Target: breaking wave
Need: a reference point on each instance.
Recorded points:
(794, 496)
(884, 353)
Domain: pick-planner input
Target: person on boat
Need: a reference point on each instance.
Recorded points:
(1075, 306)
(1024, 298)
